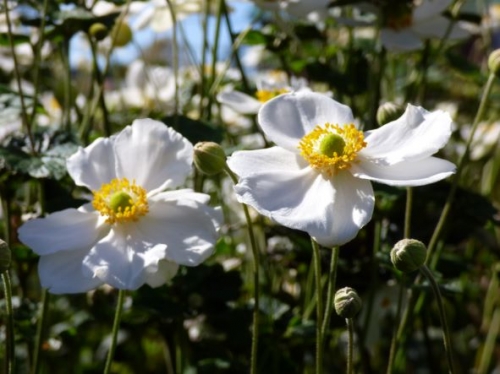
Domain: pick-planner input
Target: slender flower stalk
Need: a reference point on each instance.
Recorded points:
(175, 58)
(350, 345)
(330, 293)
(256, 260)
(40, 330)
(319, 306)
(9, 330)
(114, 331)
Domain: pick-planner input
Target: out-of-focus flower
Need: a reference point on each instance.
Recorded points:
(485, 139)
(310, 9)
(270, 85)
(405, 25)
(317, 177)
(134, 231)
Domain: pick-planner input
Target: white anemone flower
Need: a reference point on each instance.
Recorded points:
(133, 232)
(405, 28)
(317, 177)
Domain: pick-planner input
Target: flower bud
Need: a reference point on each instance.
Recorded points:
(5, 256)
(388, 112)
(347, 302)
(98, 31)
(121, 34)
(494, 62)
(209, 158)
(408, 255)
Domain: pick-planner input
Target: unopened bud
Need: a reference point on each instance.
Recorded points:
(121, 34)
(388, 112)
(5, 256)
(347, 302)
(408, 255)
(98, 31)
(494, 62)
(209, 158)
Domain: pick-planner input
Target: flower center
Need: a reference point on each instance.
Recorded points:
(266, 95)
(331, 148)
(398, 15)
(121, 201)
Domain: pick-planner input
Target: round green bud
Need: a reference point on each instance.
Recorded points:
(209, 158)
(388, 112)
(494, 62)
(408, 255)
(330, 144)
(5, 256)
(98, 31)
(121, 34)
(347, 302)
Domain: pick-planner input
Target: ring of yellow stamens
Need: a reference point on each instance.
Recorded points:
(121, 201)
(266, 95)
(331, 148)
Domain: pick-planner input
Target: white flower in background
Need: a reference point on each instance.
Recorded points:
(484, 141)
(133, 232)
(405, 27)
(310, 9)
(269, 85)
(317, 177)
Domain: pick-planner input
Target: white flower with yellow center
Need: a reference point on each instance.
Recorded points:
(133, 232)
(317, 177)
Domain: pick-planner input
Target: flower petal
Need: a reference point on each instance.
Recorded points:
(332, 212)
(412, 173)
(155, 155)
(239, 102)
(67, 230)
(417, 134)
(93, 165)
(437, 28)
(400, 41)
(188, 228)
(245, 163)
(288, 117)
(162, 273)
(430, 8)
(121, 258)
(62, 272)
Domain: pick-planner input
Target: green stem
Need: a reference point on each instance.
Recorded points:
(490, 343)
(319, 306)
(256, 275)
(350, 345)
(9, 328)
(175, 57)
(215, 49)
(409, 202)
(442, 315)
(395, 336)
(40, 329)
(330, 293)
(114, 331)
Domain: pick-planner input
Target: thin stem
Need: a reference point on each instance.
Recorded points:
(442, 315)
(319, 306)
(175, 57)
(489, 344)
(330, 293)
(40, 331)
(395, 335)
(9, 328)
(256, 275)
(350, 345)
(215, 49)
(409, 202)
(100, 81)
(114, 331)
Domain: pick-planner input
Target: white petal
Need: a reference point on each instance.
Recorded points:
(413, 173)
(429, 9)
(162, 273)
(155, 155)
(162, 19)
(288, 117)
(67, 230)
(188, 228)
(144, 18)
(185, 193)
(122, 257)
(437, 27)
(94, 165)
(400, 41)
(274, 159)
(239, 102)
(417, 134)
(62, 272)
(332, 212)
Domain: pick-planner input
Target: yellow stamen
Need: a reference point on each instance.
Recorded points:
(121, 201)
(266, 95)
(316, 147)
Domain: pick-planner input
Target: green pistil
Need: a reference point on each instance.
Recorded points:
(119, 201)
(332, 144)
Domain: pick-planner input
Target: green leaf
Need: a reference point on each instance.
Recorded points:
(17, 38)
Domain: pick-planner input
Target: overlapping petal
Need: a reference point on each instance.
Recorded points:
(239, 102)
(415, 135)
(429, 9)
(161, 274)
(413, 173)
(288, 117)
(67, 230)
(154, 155)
